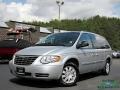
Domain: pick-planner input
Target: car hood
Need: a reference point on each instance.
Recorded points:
(40, 50)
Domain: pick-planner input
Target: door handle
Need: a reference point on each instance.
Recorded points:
(94, 54)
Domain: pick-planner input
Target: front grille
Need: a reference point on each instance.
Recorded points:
(25, 60)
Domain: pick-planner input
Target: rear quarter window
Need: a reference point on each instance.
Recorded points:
(100, 42)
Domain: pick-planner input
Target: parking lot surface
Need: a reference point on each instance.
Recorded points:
(90, 81)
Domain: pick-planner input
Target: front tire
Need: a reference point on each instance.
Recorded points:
(69, 75)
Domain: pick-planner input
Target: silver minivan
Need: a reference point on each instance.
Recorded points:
(63, 56)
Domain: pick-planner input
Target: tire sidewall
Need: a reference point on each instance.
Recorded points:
(105, 71)
(77, 73)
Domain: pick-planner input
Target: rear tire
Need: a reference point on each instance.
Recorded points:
(69, 75)
(106, 69)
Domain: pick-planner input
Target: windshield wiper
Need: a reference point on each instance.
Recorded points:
(50, 44)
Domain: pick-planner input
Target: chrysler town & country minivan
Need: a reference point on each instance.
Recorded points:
(63, 56)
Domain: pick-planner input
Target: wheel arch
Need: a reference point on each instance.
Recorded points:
(108, 59)
(74, 61)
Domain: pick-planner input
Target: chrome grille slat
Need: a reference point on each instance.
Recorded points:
(25, 60)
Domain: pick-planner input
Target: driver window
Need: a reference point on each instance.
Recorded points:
(86, 37)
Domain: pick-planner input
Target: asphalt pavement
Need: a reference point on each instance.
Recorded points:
(89, 81)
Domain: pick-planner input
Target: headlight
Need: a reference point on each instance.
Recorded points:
(12, 60)
(50, 59)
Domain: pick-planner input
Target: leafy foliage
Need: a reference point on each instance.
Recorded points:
(107, 27)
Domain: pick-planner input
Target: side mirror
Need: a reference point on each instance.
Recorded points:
(82, 44)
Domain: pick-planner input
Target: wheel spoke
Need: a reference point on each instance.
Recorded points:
(66, 79)
(64, 72)
(69, 74)
(107, 68)
(70, 69)
(63, 76)
(69, 80)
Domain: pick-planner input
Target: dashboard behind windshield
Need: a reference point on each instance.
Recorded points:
(59, 39)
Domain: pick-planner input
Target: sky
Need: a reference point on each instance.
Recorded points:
(46, 10)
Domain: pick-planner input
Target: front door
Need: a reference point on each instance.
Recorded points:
(86, 54)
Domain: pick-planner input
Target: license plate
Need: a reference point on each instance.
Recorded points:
(20, 70)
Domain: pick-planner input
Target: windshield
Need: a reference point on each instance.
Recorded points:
(59, 39)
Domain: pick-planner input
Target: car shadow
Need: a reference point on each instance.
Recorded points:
(87, 76)
(49, 84)
(35, 83)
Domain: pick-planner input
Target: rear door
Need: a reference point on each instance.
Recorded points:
(101, 48)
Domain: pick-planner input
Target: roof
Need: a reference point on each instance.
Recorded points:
(44, 30)
(65, 31)
(58, 31)
(3, 24)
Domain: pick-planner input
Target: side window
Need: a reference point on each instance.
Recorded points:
(93, 39)
(86, 37)
(100, 43)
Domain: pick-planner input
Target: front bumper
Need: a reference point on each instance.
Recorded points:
(38, 71)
